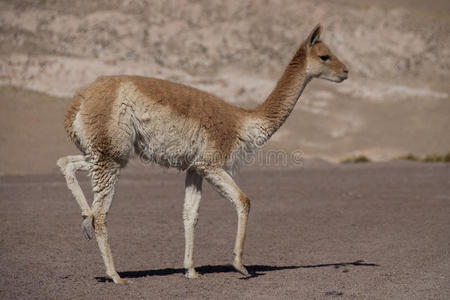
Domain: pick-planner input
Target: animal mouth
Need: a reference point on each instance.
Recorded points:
(342, 77)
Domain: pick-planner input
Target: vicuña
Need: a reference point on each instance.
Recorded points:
(178, 126)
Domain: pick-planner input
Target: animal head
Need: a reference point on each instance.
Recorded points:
(320, 61)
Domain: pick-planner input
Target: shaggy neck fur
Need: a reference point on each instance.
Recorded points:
(280, 103)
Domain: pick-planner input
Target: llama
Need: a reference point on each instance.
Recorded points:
(178, 126)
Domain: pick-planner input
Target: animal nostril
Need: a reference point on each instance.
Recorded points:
(346, 71)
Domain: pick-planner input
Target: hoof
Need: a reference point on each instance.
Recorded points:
(87, 227)
(241, 269)
(192, 274)
(117, 280)
(121, 281)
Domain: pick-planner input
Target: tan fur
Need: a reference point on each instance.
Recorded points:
(282, 100)
(179, 126)
(97, 104)
(99, 222)
(220, 119)
(69, 119)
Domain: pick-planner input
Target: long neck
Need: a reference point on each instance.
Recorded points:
(280, 103)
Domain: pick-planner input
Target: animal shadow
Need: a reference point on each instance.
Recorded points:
(254, 270)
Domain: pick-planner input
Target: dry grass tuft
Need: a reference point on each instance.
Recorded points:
(356, 159)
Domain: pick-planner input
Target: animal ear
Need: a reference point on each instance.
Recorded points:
(314, 35)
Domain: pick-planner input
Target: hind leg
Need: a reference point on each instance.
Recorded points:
(69, 165)
(104, 177)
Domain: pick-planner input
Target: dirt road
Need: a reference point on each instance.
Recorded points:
(362, 231)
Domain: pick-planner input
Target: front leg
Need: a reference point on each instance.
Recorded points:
(225, 186)
(243, 209)
(193, 194)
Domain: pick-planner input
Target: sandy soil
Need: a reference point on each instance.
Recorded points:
(32, 135)
(370, 231)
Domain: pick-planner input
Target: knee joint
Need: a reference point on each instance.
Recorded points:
(99, 222)
(62, 164)
(245, 203)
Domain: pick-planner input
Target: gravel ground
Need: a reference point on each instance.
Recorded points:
(362, 231)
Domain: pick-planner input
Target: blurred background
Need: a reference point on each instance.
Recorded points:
(395, 102)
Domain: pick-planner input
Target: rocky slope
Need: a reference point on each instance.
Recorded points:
(398, 54)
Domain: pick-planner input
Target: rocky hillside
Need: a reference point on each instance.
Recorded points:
(398, 54)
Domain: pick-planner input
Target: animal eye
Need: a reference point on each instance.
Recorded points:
(324, 57)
